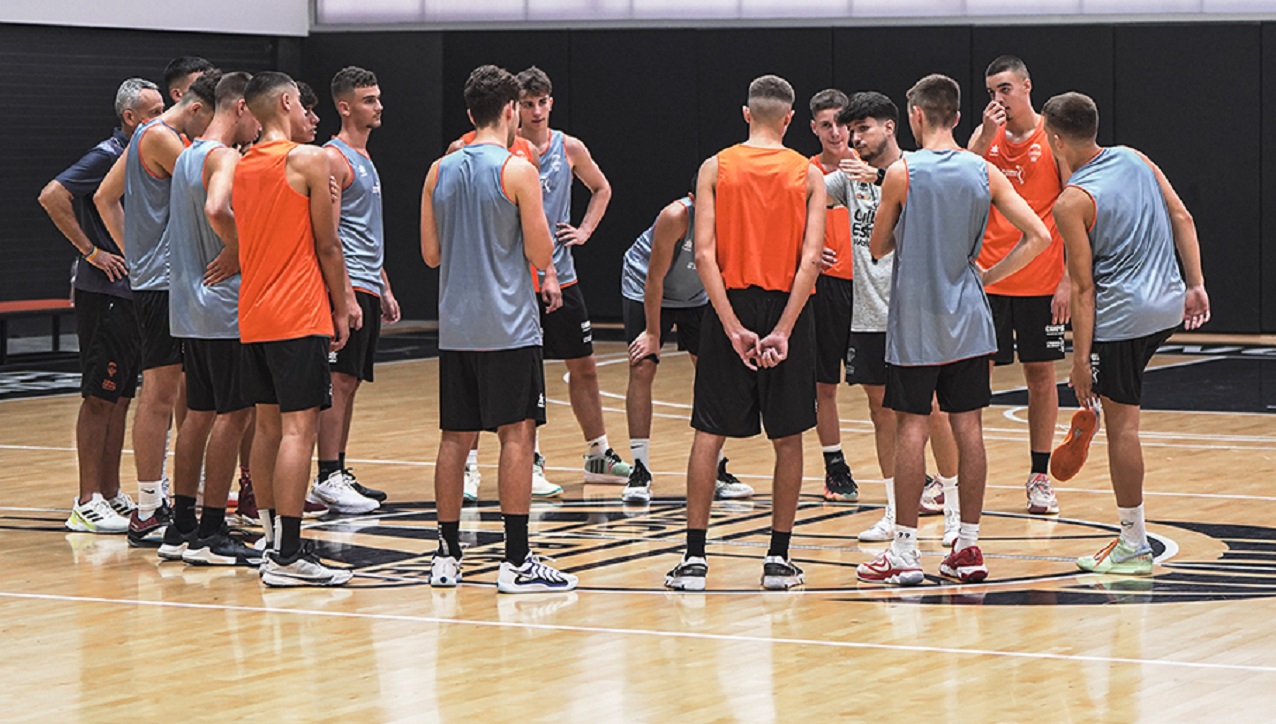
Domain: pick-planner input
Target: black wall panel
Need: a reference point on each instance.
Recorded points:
(512, 50)
(1267, 239)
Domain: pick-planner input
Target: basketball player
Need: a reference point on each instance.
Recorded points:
(357, 96)
(1121, 221)
(203, 312)
(933, 211)
(292, 275)
(832, 302)
(482, 222)
(134, 203)
(105, 321)
(181, 72)
(1030, 308)
(759, 239)
(309, 100)
(661, 290)
(564, 317)
(872, 119)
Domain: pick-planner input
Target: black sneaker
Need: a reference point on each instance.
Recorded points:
(373, 493)
(840, 487)
(149, 532)
(779, 574)
(728, 486)
(221, 549)
(176, 542)
(638, 490)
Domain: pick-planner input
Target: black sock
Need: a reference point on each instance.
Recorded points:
(184, 513)
(779, 544)
(211, 521)
(290, 536)
(516, 548)
(450, 537)
(1040, 462)
(834, 462)
(328, 467)
(341, 460)
(695, 542)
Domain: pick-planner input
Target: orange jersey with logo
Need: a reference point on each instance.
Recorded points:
(837, 235)
(760, 216)
(521, 147)
(281, 293)
(1032, 172)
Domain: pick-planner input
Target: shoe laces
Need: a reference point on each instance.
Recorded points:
(612, 457)
(639, 477)
(1039, 485)
(348, 474)
(538, 569)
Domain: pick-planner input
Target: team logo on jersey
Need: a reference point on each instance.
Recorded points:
(995, 150)
(1034, 152)
(1014, 174)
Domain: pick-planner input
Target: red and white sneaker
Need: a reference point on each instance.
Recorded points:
(966, 565)
(896, 569)
(932, 502)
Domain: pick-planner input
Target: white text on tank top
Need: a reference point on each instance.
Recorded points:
(872, 280)
(556, 192)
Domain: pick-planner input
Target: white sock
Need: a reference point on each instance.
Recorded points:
(267, 527)
(597, 447)
(905, 540)
(967, 536)
(640, 447)
(471, 459)
(1133, 529)
(952, 501)
(279, 533)
(149, 496)
(890, 493)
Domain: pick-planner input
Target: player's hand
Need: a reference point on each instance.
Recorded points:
(569, 235)
(390, 312)
(745, 344)
(1061, 302)
(1082, 382)
(644, 345)
(112, 265)
(774, 349)
(334, 190)
(551, 293)
(340, 331)
(1196, 308)
(856, 170)
(828, 258)
(356, 312)
(225, 266)
(994, 118)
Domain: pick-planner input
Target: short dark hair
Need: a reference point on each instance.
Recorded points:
(487, 91)
(231, 88)
(182, 66)
(309, 99)
(263, 86)
(939, 97)
(770, 97)
(349, 78)
(1073, 115)
(1004, 63)
(204, 89)
(534, 82)
(868, 104)
(828, 98)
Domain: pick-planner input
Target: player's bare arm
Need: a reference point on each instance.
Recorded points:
(994, 118)
(671, 227)
(1073, 215)
(743, 341)
(587, 171)
(57, 203)
(308, 173)
(159, 152)
(219, 177)
(109, 200)
(775, 346)
(390, 312)
(431, 252)
(340, 177)
(1036, 237)
(894, 191)
(1196, 309)
(538, 246)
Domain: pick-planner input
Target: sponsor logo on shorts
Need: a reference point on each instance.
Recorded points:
(332, 358)
(110, 369)
(586, 332)
(540, 402)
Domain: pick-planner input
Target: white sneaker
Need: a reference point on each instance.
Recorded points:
(932, 502)
(1041, 498)
(532, 577)
(541, 487)
(882, 531)
(688, 575)
(336, 492)
(445, 571)
(96, 516)
(122, 504)
(728, 487)
(302, 569)
(898, 569)
(472, 479)
(779, 574)
(952, 525)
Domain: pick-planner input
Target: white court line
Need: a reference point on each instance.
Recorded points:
(684, 635)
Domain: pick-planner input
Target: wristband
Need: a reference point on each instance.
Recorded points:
(881, 176)
(89, 257)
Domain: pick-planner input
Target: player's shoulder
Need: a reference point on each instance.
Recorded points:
(676, 210)
(304, 155)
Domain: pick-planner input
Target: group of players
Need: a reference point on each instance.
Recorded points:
(262, 256)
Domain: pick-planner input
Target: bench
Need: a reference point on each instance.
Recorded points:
(54, 309)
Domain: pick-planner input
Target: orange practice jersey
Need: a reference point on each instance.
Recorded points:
(837, 235)
(760, 212)
(282, 293)
(521, 148)
(1031, 169)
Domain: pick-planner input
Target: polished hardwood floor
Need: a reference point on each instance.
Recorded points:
(93, 630)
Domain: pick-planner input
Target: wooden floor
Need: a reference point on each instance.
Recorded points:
(93, 630)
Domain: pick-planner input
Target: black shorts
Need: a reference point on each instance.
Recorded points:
(107, 329)
(961, 386)
(866, 359)
(1024, 324)
(214, 375)
(1118, 367)
(291, 373)
(159, 347)
(687, 320)
(566, 331)
(832, 302)
(355, 358)
(734, 401)
(487, 390)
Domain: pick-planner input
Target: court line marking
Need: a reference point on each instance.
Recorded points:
(651, 633)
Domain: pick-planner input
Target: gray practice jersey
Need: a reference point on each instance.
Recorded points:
(196, 310)
(1138, 288)
(682, 284)
(361, 228)
(938, 311)
(556, 190)
(145, 215)
(872, 281)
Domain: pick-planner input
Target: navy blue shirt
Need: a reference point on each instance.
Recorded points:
(82, 180)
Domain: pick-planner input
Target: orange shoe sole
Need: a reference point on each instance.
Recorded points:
(1068, 459)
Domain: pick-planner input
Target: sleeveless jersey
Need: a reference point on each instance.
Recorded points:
(1138, 288)
(146, 215)
(1032, 172)
(196, 310)
(760, 216)
(556, 189)
(282, 293)
(486, 300)
(837, 234)
(682, 283)
(938, 311)
(360, 228)
(521, 146)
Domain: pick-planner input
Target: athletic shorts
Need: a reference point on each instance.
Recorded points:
(159, 347)
(866, 359)
(960, 386)
(687, 321)
(487, 390)
(109, 347)
(355, 358)
(832, 302)
(1118, 367)
(734, 401)
(214, 375)
(565, 331)
(291, 373)
(1024, 324)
